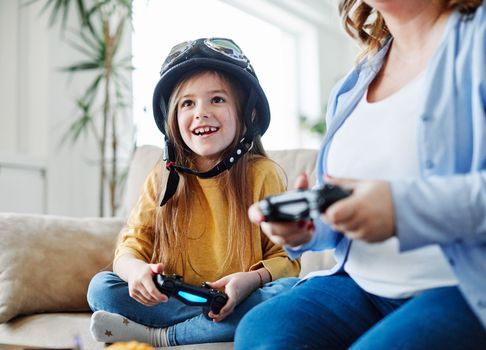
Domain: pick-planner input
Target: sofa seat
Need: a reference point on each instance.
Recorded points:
(37, 331)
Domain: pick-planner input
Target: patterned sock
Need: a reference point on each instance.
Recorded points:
(109, 328)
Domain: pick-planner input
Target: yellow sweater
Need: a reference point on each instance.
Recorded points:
(207, 241)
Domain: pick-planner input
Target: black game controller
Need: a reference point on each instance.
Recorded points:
(301, 204)
(205, 296)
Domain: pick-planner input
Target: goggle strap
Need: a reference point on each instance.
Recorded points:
(241, 149)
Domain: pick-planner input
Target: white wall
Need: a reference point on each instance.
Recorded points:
(24, 113)
(36, 107)
(324, 52)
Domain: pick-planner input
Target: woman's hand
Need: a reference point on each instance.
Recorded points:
(288, 233)
(237, 286)
(368, 214)
(141, 286)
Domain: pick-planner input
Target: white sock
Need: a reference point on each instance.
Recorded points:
(109, 328)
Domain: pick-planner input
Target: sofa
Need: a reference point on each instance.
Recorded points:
(46, 263)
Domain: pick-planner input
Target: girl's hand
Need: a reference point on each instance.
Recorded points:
(141, 286)
(289, 233)
(237, 286)
(368, 214)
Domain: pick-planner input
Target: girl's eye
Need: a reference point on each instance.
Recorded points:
(186, 103)
(218, 99)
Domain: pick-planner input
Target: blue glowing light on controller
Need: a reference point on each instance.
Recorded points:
(192, 297)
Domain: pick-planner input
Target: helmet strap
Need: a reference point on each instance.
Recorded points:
(173, 179)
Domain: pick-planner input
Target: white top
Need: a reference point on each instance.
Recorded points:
(383, 136)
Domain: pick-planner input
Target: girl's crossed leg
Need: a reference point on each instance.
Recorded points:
(179, 323)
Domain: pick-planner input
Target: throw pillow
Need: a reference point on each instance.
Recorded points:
(46, 262)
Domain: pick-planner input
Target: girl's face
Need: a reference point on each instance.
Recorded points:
(207, 117)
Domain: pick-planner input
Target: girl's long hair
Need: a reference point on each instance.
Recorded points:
(173, 223)
(367, 26)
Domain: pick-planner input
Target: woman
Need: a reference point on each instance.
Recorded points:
(408, 125)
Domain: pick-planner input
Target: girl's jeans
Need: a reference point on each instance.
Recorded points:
(333, 312)
(186, 324)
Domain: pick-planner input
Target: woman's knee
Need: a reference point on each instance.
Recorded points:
(279, 286)
(261, 325)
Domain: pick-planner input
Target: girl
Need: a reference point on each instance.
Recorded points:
(409, 124)
(212, 111)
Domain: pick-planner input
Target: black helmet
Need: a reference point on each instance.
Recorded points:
(215, 54)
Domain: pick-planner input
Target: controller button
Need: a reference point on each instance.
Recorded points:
(169, 284)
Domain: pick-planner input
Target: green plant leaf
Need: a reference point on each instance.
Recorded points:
(79, 126)
(317, 127)
(82, 67)
(108, 93)
(93, 89)
(59, 9)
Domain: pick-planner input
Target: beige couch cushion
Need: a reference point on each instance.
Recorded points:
(47, 261)
(293, 162)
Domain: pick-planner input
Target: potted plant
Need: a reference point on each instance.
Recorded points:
(97, 36)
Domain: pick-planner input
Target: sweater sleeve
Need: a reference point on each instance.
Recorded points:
(268, 180)
(136, 237)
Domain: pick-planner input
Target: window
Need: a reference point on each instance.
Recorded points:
(281, 53)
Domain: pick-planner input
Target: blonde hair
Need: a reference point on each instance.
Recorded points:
(172, 221)
(367, 26)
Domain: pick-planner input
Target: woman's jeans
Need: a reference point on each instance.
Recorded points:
(333, 312)
(186, 324)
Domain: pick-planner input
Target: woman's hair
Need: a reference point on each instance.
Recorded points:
(367, 26)
(172, 220)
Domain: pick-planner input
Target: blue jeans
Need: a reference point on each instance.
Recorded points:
(186, 324)
(333, 312)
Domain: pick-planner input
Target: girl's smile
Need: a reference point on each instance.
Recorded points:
(207, 117)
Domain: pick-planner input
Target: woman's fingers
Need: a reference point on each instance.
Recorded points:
(292, 234)
(255, 214)
(301, 182)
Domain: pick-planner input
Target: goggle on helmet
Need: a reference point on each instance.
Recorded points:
(216, 54)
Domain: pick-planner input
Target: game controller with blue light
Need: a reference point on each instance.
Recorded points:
(208, 298)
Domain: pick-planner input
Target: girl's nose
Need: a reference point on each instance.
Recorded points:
(201, 113)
